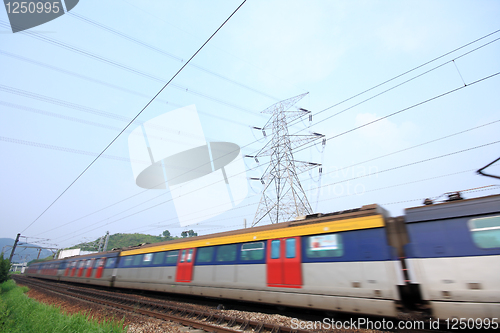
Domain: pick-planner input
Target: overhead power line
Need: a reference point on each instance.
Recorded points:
(406, 109)
(412, 163)
(307, 145)
(454, 90)
(330, 184)
(127, 68)
(343, 168)
(243, 216)
(165, 53)
(106, 84)
(357, 95)
(66, 150)
(322, 200)
(138, 114)
(409, 71)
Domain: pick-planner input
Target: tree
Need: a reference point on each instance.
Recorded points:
(189, 233)
(166, 234)
(4, 268)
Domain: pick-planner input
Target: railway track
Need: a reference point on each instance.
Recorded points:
(192, 318)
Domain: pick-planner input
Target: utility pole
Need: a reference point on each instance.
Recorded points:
(14, 247)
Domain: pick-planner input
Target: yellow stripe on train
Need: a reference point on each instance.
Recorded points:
(374, 221)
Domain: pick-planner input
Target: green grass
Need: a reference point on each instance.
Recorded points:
(18, 313)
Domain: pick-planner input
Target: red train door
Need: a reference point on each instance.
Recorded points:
(73, 268)
(81, 267)
(185, 264)
(284, 263)
(90, 265)
(100, 267)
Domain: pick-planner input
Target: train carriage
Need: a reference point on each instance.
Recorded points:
(340, 262)
(93, 269)
(454, 255)
(97, 268)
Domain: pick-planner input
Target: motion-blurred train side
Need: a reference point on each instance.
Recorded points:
(443, 258)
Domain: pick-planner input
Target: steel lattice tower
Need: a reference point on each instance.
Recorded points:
(283, 197)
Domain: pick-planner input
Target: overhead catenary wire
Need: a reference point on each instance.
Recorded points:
(138, 114)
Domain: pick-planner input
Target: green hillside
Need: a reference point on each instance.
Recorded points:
(124, 240)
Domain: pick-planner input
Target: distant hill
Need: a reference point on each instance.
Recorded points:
(124, 240)
(21, 253)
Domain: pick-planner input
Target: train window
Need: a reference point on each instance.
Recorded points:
(110, 262)
(158, 258)
(275, 249)
(187, 255)
(80, 263)
(290, 248)
(486, 231)
(226, 253)
(89, 263)
(205, 254)
(148, 257)
(137, 259)
(172, 256)
(324, 246)
(252, 251)
(128, 261)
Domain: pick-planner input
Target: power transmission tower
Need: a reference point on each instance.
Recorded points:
(283, 198)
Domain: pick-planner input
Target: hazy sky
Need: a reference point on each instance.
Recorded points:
(69, 86)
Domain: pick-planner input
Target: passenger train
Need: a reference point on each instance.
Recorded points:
(441, 259)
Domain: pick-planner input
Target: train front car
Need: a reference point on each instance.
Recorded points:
(454, 255)
(336, 262)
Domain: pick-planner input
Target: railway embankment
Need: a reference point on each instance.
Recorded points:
(20, 312)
